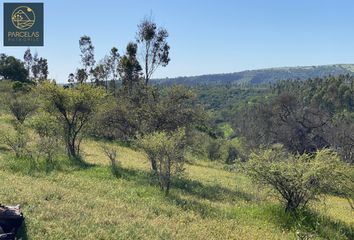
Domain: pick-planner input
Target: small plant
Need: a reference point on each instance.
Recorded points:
(214, 150)
(166, 150)
(298, 179)
(111, 153)
(21, 106)
(49, 141)
(16, 140)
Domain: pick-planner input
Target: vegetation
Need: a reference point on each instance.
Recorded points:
(166, 154)
(73, 108)
(218, 153)
(298, 179)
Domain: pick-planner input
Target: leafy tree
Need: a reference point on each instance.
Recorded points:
(22, 105)
(298, 179)
(129, 68)
(28, 59)
(71, 78)
(74, 108)
(43, 69)
(155, 49)
(100, 74)
(166, 151)
(174, 108)
(112, 64)
(81, 76)
(12, 69)
(87, 54)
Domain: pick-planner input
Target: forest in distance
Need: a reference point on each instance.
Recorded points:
(116, 154)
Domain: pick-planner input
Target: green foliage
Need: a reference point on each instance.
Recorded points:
(298, 179)
(12, 68)
(74, 108)
(22, 105)
(166, 154)
(215, 149)
(16, 139)
(49, 131)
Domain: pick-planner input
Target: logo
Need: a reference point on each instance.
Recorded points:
(23, 17)
(23, 24)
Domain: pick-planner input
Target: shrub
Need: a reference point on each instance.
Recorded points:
(215, 149)
(16, 140)
(111, 153)
(166, 153)
(49, 131)
(74, 108)
(298, 179)
(232, 154)
(21, 106)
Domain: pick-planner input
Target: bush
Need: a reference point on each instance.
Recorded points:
(16, 140)
(74, 108)
(298, 179)
(49, 131)
(215, 151)
(21, 106)
(111, 153)
(166, 153)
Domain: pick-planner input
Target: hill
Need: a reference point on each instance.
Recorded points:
(207, 202)
(262, 75)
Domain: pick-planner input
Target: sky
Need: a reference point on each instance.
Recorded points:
(206, 36)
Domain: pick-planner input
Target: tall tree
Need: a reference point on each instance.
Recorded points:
(112, 63)
(129, 68)
(155, 49)
(81, 75)
(28, 59)
(87, 54)
(43, 69)
(35, 66)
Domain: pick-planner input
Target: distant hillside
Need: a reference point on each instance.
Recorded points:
(262, 75)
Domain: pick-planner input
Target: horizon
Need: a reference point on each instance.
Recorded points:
(210, 38)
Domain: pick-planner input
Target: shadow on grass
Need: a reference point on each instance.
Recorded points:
(29, 165)
(210, 192)
(187, 186)
(203, 209)
(308, 223)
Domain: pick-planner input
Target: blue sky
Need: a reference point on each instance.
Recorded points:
(206, 36)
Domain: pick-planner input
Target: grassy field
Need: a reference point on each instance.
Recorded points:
(207, 202)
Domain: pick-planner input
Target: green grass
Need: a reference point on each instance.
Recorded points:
(207, 202)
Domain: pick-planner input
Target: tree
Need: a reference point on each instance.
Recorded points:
(166, 151)
(112, 67)
(71, 78)
(35, 68)
(87, 54)
(129, 68)
(43, 69)
(81, 75)
(298, 179)
(155, 49)
(74, 108)
(21, 106)
(12, 69)
(28, 59)
(100, 74)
